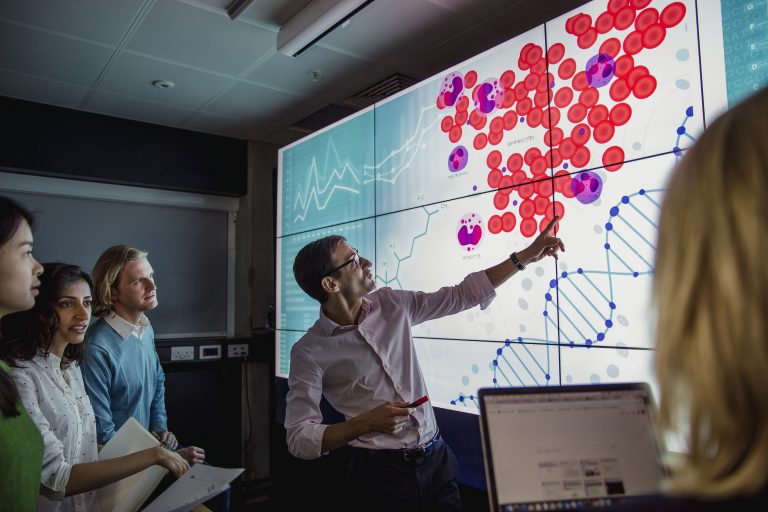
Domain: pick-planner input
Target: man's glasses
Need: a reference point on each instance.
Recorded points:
(354, 261)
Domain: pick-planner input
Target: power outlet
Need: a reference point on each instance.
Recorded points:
(182, 353)
(237, 350)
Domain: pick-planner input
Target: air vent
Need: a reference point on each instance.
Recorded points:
(380, 90)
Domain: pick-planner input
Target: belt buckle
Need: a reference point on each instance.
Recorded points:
(414, 453)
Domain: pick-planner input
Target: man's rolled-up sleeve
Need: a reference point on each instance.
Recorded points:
(303, 418)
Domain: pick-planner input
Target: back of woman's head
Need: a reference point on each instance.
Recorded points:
(28, 333)
(711, 290)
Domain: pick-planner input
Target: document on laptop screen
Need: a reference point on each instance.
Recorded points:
(557, 446)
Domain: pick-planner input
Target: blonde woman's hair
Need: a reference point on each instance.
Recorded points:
(711, 291)
(106, 275)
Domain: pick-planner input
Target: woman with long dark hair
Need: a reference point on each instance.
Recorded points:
(45, 346)
(21, 447)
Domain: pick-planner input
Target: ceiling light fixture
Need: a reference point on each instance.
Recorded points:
(163, 84)
(314, 22)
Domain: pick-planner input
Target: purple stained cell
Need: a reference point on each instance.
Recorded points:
(587, 187)
(469, 231)
(458, 159)
(600, 70)
(488, 96)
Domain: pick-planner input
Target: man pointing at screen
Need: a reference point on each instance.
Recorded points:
(360, 355)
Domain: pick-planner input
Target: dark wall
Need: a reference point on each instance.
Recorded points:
(65, 143)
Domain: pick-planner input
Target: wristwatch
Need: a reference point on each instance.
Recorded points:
(516, 261)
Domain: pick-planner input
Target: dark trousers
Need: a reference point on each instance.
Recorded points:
(381, 481)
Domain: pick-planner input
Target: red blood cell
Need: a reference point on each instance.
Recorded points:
(567, 190)
(507, 78)
(500, 201)
(597, 114)
(528, 228)
(553, 137)
(543, 84)
(566, 69)
(494, 177)
(525, 190)
(604, 131)
(519, 177)
(446, 124)
(567, 148)
(587, 39)
(534, 117)
(462, 104)
(544, 188)
(553, 155)
(636, 73)
(539, 166)
(525, 49)
(555, 53)
(613, 158)
(495, 224)
(514, 162)
(563, 97)
(508, 221)
(646, 18)
(624, 65)
(527, 209)
(540, 67)
(497, 124)
(534, 55)
(531, 81)
(509, 98)
(461, 117)
(541, 204)
(653, 36)
(611, 47)
(581, 157)
(493, 159)
(644, 87)
(580, 81)
(477, 119)
(505, 184)
(615, 6)
(481, 140)
(620, 114)
(470, 79)
(589, 97)
(577, 113)
(569, 24)
(545, 222)
(580, 134)
(455, 134)
(520, 91)
(558, 207)
(581, 24)
(633, 43)
(495, 137)
(510, 120)
(523, 65)
(604, 23)
(551, 117)
(672, 14)
(624, 18)
(530, 155)
(541, 99)
(639, 4)
(619, 90)
(524, 106)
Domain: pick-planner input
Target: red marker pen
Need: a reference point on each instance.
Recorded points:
(419, 402)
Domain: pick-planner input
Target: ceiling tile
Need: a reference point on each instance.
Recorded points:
(475, 10)
(41, 90)
(38, 53)
(132, 108)
(132, 75)
(200, 38)
(294, 74)
(247, 101)
(104, 21)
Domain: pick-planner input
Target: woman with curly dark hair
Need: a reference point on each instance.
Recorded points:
(21, 448)
(45, 346)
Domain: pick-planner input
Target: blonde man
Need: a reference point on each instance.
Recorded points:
(122, 371)
(711, 291)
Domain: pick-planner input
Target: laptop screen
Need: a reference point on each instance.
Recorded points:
(568, 447)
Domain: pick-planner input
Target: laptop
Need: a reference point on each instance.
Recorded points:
(569, 447)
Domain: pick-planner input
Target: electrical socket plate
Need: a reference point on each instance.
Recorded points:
(237, 350)
(182, 353)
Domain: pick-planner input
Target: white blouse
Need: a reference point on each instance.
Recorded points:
(57, 403)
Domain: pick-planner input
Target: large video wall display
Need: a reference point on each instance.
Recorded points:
(584, 117)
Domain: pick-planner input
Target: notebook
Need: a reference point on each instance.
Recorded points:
(569, 447)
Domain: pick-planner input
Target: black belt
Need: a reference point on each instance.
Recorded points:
(406, 454)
